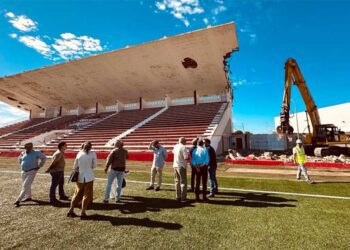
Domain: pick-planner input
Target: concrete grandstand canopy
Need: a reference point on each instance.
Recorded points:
(174, 66)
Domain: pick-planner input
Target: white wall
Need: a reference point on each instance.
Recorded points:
(339, 115)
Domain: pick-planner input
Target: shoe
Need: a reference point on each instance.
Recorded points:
(185, 201)
(191, 190)
(206, 200)
(157, 188)
(16, 204)
(298, 179)
(83, 216)
(54, 201)
(105, 201)
(71, 215)
(198, 200)
(117, 200)
(178, 199)
(150, 188)
(310, 181)
(211, 195)
(26, 200)
(64, 198)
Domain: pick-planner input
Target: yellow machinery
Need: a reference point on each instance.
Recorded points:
(325, 139)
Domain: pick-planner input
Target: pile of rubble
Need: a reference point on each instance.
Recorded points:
(234, 155)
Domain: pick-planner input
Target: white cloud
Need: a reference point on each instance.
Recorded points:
(13, 35)
(70, 46)
(180, 9)
(22, 22)
(219, 9)
(11, 114)
(205, 20)
(37, 44)
(241, 82)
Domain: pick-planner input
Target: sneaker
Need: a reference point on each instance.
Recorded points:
(105, 201)
(27, 199)
(157, 189)
(16, 204)
(211, 195)
(185, 200)
(298, 178)
(150, 188)
(64, 198)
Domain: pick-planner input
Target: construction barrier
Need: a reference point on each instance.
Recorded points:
(133, 156)
(269, 163)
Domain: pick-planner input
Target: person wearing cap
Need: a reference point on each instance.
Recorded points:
(180, 164)
(117, 160)
(300, 159)
(159, 157)
(30, 160)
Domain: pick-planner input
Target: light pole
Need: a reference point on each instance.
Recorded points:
(296, 117)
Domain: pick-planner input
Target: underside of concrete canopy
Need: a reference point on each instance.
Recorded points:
(174, 66)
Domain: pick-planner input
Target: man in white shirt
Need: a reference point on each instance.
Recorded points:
(180, 163)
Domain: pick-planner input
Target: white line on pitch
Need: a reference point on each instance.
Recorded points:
(222, 188)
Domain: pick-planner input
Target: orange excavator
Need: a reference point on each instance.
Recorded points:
(325, 139)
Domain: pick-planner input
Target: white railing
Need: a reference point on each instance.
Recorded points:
(90, 110)
(72, 112)
(111, 108)
(182, 101)
(131, 106)
(210, 98)
(155, 104)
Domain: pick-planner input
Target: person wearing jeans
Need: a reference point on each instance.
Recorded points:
(212, 166)
(200, 160)
(30, 161)
(117, 160)
(56, 170)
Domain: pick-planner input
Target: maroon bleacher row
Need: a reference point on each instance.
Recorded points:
(189, 121)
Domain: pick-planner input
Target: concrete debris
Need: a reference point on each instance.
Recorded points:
(234, 155)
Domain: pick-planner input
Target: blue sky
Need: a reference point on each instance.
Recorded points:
(316, 33)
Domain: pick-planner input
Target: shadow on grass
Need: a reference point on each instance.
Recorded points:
(119, 221)
(252, 200)
(138, 204)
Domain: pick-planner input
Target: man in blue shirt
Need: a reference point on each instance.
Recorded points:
(30, 161)
(159, 158)
(200, 161)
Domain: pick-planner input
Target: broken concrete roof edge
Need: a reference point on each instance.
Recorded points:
(119, 49)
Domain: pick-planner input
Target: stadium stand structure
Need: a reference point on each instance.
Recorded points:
(177, 86)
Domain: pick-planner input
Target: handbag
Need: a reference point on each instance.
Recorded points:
(74, 176)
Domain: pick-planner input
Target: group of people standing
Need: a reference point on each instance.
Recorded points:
(202, 161)
(202, 158)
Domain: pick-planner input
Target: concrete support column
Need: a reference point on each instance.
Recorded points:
(167, 101)
(100, 108)
(196, 98)
(120, 106)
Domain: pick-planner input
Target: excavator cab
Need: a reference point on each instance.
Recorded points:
(327, 133)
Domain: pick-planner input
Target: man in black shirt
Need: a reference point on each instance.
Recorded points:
(212, 168)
